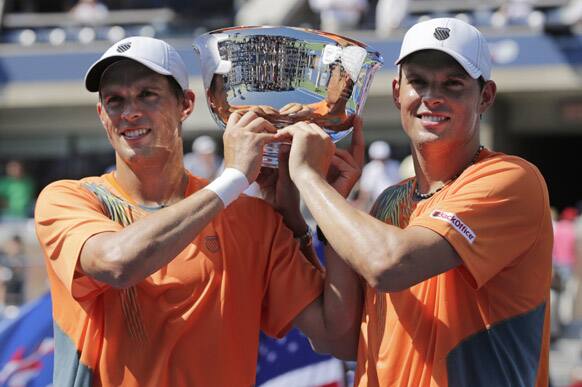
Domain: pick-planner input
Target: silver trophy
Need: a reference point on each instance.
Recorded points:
(286, 75)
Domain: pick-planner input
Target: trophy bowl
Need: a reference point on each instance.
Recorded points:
(286, 75)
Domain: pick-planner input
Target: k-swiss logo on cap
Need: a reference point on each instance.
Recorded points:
(442, 33)
(123, 47)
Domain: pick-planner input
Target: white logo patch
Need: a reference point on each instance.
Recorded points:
(457, 223)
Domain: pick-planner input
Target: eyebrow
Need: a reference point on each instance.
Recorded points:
(459, 74)
(453, 74)
(112, 88)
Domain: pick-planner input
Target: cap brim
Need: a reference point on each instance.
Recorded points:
(473, 71)
(93, 76)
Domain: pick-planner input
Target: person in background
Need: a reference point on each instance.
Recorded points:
(390, 15)
(564, 261)
(564, 251)
(89, 12)
(339, 15)
(159, 278)
(13, 263)
(203, 160)
(378, 174)
(456, 262)
(16, 192)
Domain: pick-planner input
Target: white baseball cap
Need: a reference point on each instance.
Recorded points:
(460, 40)
(155, 54)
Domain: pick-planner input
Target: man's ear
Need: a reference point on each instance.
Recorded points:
(100, 112)
(188, 104)
(396, 93)
(487, 96)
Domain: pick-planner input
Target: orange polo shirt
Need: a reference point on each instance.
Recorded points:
(486, 322)
(194, 322)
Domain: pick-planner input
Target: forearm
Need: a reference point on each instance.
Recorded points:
(309, 253)
(370, 247)
(342, 305)
(332, 322)
(342, 294)
(128, 256)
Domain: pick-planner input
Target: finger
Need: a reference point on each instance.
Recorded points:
(289, 108)
(346, 156)
(259, 124)
(248, 117)
(306, 126)
(358, 144)
(313, 126)
(340, 163)
(267, 138)
(233, 119)
(270, 111)
(299, 109)
(296, 110)
(282, 136)
(286, 133)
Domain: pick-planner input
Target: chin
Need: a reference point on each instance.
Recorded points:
(424, 137)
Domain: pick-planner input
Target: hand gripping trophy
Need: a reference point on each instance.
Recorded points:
(286, 75)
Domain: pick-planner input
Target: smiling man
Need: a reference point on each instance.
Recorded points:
(456, 261)
(157, 277)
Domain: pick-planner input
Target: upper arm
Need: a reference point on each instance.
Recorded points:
(332, 321)
(492, 217)
(97, 259)
(421, 254)
(66, 217)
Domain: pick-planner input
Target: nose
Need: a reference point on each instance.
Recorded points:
(432, 96)
(131, 111)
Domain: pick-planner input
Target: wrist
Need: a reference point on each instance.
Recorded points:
(305, 176)
(294, 221)
(229, 185)
(305, 239)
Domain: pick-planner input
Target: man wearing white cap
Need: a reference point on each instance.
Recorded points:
(157, 277)
(457, 259)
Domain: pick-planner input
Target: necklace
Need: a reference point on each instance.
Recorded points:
(152, 208)
(422, 196)
(112, 179)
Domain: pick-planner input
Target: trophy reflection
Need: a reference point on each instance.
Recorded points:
(286, 75)
(331, 112)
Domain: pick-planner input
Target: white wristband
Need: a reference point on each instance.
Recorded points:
(229, 185)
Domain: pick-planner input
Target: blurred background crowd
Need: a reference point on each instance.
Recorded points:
(49, 129)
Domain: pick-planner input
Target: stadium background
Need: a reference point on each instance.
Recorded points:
(48, 119)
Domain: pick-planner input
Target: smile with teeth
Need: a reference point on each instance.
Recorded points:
(432, 118)
(135, 133)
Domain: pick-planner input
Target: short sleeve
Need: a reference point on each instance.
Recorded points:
(66, 216)
(293, 283)
(491, 217)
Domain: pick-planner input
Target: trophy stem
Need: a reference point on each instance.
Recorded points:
(271, 155)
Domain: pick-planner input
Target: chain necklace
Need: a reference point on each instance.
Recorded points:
(422, 196)
(152, 208)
